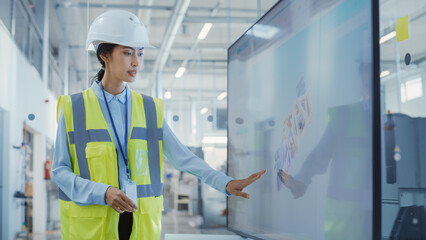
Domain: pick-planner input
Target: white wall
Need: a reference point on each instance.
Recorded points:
(21, 93)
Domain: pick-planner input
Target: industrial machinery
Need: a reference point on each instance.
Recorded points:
(404, 177)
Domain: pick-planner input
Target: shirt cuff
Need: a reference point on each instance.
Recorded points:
(226, 180)
(99, 194)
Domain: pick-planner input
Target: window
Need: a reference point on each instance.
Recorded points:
(411, 89)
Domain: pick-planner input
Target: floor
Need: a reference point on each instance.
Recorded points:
(172, 222)
(181, 222)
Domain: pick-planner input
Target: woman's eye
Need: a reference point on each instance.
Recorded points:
(128, 53)
(140, 54)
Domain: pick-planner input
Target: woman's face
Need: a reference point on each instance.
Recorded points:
(124, 63)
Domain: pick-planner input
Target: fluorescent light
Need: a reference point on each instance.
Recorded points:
(264, 31)
(387, 37)
(384, 73)
(213, 140)
(204, 31)
(222, 96)
(180, 72)
(168, 94)
(204, 110)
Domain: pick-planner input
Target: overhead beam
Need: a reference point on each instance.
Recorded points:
(152, 7)
(175, 47)
(175, 22)
(45, 56)
(211, 61)
(197, 41)
(219, 20)
(221, 65)
(216, 20)
(65, 33)
(122, 6)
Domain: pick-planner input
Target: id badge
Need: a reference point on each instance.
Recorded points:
(131, 192)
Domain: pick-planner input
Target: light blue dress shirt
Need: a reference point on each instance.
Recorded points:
(85, 192)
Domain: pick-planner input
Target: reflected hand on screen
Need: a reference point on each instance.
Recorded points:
(296, 187)
(235, 187)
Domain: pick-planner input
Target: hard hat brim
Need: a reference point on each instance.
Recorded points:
(133, 45)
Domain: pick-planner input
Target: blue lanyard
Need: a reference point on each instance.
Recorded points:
(115, 131)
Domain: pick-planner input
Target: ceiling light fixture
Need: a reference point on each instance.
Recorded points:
(204, 31)
(180, 72)
(222, 96)
(387, 37)
(384, 73)
(204, 110)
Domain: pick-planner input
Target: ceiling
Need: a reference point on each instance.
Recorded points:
(206, 59)
(205, 76)
(390, 12)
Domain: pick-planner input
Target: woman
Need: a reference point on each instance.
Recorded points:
(110, 145)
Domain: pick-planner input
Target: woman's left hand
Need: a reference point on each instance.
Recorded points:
(235, 187)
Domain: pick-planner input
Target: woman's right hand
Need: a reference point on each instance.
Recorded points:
(235, 187)
(118, 200)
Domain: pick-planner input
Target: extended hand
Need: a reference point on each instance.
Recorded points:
(235, 187)
(118, 200)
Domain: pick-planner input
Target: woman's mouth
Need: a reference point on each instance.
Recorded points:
(132, 73)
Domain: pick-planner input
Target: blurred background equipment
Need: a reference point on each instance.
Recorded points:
(404, 180)
(24, 183)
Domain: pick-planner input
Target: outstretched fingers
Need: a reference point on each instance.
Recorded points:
(254, 177)
(242, 194)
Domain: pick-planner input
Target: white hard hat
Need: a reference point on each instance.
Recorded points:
(118, 27)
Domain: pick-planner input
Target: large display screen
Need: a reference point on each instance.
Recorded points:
(300, 85)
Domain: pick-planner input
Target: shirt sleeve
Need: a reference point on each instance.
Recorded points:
(184, 160)
(81, 191)
(319, 159)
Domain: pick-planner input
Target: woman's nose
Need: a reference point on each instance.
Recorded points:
(135, 61)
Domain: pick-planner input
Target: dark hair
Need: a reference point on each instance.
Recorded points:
(103, 48)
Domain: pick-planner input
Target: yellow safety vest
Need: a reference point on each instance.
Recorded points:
(94, 157)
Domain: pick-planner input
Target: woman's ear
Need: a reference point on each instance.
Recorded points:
(104, 57)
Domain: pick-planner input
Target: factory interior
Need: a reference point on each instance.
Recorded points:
(230, 104)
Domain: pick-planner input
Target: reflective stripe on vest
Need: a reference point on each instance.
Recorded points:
(95, 135)
(152, 134)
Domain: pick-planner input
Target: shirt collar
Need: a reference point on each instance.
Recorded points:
(98, 91)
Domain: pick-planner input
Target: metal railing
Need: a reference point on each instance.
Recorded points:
(29, 39)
